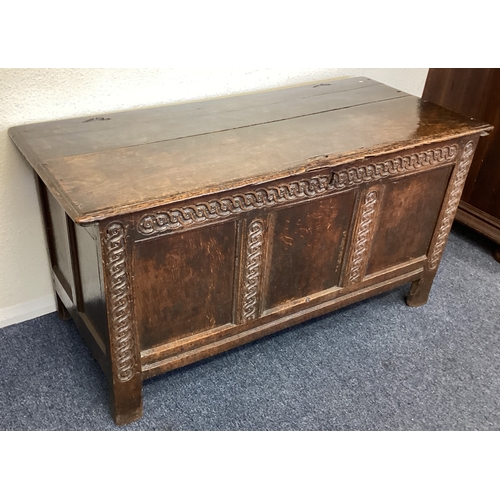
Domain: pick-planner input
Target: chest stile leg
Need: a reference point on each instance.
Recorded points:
(124, 355)
(420, 289)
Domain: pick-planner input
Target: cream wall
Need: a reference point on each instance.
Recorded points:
(31, 95)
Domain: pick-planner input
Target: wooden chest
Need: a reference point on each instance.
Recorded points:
(178, 232)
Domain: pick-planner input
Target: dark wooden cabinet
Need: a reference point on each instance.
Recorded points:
(475, 93)
(178, 232)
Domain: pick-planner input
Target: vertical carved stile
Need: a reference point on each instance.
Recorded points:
(363, 237)
(252, 270)
(120, 323)
(452, 204)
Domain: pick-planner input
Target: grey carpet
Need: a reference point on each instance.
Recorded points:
(376, 365)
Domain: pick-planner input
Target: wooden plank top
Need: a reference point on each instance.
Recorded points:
(101, 166)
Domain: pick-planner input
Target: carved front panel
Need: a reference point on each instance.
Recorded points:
(308, 248)
(184, 283)
(408, 213)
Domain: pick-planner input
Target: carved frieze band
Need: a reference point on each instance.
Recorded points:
(452, 204)
(363, 237)
(253, 270)
(121, 334)
(159, 222)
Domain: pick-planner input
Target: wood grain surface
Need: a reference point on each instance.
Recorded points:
(179, 232)
(101, 166)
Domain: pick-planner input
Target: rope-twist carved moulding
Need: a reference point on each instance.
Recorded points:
(252, 269)
(362, 240)
(453, 201)
(121, 315)
(159, 222)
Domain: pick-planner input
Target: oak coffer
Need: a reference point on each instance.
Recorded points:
(178, 232)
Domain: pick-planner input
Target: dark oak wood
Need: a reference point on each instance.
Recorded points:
(176, 233)
(203, 262)
(143, 171)
(404, 207)
(475, 92)
(310, 237)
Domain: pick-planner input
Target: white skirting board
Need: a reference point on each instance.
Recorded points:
(27, 310)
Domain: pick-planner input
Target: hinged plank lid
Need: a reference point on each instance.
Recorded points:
(112, 164)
